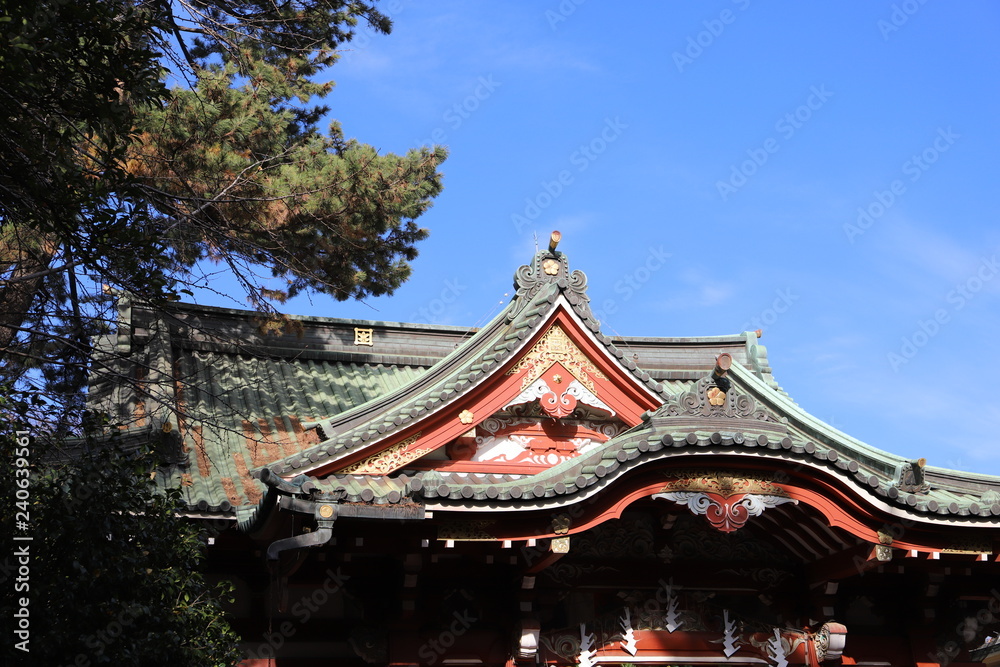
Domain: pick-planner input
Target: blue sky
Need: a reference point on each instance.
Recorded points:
(823, 171)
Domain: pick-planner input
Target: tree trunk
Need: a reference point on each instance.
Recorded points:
(19, 289)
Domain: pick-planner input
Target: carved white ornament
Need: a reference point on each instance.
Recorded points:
(539, 388)
(587, 397)
(494, 445)
(722, 513)
(528, 646)
(533, 392)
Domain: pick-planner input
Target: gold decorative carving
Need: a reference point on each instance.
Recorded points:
(560, 545)
(550, 267)
(969, 547)
(466, 531)
(561, 523)
(363, 337)
(722, 483)
(466, 416)
(716, 396)
(556, 347)
(387, 460)
(707, 400)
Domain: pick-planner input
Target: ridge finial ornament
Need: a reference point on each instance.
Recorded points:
(549, 267)
(910, 477)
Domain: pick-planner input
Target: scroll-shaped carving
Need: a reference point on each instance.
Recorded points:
(699, 402)
(558, 404)
(726, 514)
(830, 641)
(547, 268)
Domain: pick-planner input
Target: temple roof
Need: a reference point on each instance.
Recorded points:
(306, 397)
(537, 296)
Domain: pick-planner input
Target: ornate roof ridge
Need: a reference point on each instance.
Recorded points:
(830, 436)
(538, 288)
(749, 428)
(656, 440)
(483, 353)
(550, 267)
(476, 354)
(744, 422)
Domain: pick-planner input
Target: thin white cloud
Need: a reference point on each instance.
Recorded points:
(714, 294)
(937, 253)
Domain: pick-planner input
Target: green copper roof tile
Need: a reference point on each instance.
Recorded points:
(244, 411)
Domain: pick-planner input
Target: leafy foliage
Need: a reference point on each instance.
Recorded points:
(114, 573)
(112, 183)
(138, 140)
(73, 76)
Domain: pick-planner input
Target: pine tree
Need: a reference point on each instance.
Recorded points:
(110, 182)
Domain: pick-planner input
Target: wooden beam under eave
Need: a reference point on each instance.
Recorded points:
(548, 559)
(851, 562)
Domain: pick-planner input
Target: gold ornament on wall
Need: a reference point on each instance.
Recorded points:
(364, 337)
(556, 347)
(716, 396)
(387, 460)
